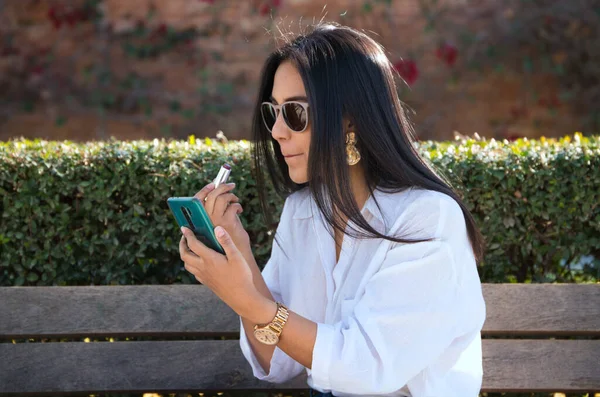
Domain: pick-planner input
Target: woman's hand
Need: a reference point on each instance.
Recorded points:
(223, 208)
(228, 276)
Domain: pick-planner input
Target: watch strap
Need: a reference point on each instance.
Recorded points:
(279, 321)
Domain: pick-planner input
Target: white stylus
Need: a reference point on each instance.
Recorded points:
(223, 175)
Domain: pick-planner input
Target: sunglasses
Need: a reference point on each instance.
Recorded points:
(295, 115)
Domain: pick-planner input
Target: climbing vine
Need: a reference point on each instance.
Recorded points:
(93, 66)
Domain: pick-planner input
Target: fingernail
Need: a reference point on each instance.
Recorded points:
(219, 231)
(210, 186)
(183, 229)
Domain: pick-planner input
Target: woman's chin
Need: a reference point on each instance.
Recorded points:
(298, 178)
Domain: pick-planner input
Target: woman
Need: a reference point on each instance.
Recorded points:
(371, 287)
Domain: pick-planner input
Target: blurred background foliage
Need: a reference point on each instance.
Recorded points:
(95, 69)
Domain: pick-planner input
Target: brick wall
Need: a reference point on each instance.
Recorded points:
(234, 41)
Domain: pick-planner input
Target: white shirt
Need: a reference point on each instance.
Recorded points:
(393, 319)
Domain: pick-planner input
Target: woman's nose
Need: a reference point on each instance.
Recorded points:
(280, 130)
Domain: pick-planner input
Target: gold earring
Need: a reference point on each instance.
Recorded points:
(352, 153)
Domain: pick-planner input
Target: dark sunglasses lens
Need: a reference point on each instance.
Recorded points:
(269, 115)
(295, 116)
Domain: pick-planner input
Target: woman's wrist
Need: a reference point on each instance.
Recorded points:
(261, 311)
(257, 278)
(260, 285)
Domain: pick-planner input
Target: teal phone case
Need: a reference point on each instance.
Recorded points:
(190, 212)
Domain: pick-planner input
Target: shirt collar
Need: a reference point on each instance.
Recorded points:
(304, 207)
(307, 207)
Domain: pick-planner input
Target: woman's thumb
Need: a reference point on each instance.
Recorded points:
(226, 242)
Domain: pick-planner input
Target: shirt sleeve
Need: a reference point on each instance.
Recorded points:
(411, 311)
(283, 367)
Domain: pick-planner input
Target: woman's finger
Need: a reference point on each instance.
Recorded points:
(184, 250)
(209, 202)
(192, 270)
(222, 202)
(233, 209)
(192, 262)
(201, 195)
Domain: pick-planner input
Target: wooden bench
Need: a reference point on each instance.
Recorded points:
(190, 340)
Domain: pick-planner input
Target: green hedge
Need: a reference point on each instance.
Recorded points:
(96, 213)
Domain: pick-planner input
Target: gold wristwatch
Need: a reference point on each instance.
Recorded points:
(269, 333)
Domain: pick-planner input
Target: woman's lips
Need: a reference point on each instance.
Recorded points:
(291, 155)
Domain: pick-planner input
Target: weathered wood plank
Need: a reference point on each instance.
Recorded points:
(193, 310)
(193, 366)
(127, 367)
(139, 310)
(542, 309)
(541, 365)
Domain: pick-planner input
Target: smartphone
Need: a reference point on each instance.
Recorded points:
(190, 212)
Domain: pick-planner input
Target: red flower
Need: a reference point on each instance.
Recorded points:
(407, 70)
(58, 16)
(264, 9)
(267, 6)
(54, 18)
(447, 53)
(162, 29)
(37, 70)
(72, 17)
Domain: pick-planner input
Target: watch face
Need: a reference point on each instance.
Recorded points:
(266, 336)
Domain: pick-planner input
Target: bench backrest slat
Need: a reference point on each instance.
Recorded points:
(542, 309)
(138, 310)
(193, 310)
(195, 366)
(541, 365)
(125, 367)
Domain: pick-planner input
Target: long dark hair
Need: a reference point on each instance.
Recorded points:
(346, 74)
